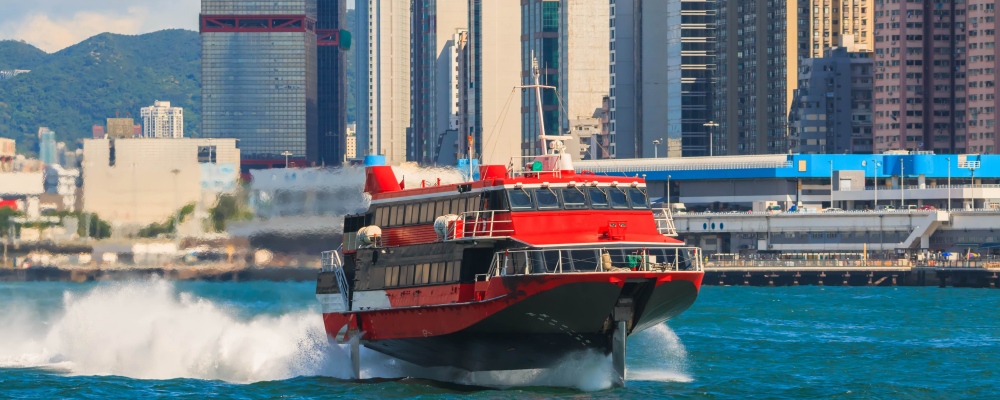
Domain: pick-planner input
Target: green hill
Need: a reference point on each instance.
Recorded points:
(78, 87)
(19, 55)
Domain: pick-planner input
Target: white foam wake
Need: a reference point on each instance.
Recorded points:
(150, 330)
(147, 330)
(665, 358)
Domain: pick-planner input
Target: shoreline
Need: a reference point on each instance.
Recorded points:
(207, 274)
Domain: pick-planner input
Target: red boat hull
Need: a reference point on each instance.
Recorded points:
(525, 321)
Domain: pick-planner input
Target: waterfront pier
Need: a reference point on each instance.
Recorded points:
(853, 273)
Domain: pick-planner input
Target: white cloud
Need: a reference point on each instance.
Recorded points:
(51, 27)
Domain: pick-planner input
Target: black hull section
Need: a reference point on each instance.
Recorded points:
(543, 329)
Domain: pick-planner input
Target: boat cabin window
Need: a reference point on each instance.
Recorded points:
(520, 199)
(546, 199)
(423, 212)
(637, 198)
(598, 199)
(618, 198)
(573, 198)
(412, 275)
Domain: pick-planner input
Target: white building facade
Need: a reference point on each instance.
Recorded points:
(162, 121)
(388, 77)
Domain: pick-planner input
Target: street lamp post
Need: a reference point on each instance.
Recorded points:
(656, 146)
(875, 166)
(286, 153)
(668, 193)
(177, 221)
(711, 136)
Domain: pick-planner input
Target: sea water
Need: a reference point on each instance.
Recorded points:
(263, 340)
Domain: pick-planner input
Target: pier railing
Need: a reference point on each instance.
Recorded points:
(593, 259)
(846, 265)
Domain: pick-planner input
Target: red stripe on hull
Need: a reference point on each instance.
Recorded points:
(502, 292)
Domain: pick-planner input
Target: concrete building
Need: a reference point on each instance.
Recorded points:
(832, 108)
(121, 128)
(133, 182)
(983, 78)
(61, 182)
(434, 84)
(269, 104)
(331, 82)
(935, 77)
(583, 55)
(662, 58)
(757, 57)
(495, 66)
(388, 78)
(47, 146)
(835, 23)
(162, 121)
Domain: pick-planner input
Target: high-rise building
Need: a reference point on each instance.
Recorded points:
(983, 73)
(832, 108)
(495, 67)
(331, 93)
(936, 76)
(835, 23)
(47, 146)
(162, 121)
(259, 78)
(539, 46)
(662, 61)
(757, 56)
(359, 59)
(388, 78)
(569, 50)
(434, 83)
(920, 76)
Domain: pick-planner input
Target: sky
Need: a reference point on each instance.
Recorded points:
(53, 25)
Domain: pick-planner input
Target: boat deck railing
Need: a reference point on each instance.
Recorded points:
(664, 221)
(481, 225)
(595, 259)
(332, 262)
(535, 166)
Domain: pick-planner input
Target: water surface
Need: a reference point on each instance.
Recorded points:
(264, 340)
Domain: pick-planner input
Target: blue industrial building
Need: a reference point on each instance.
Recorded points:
(820, 180)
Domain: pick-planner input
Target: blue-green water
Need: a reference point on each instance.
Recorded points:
(265, 340)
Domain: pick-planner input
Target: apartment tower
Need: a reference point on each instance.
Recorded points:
(936, 77)
(757, 58)
(162, 121)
